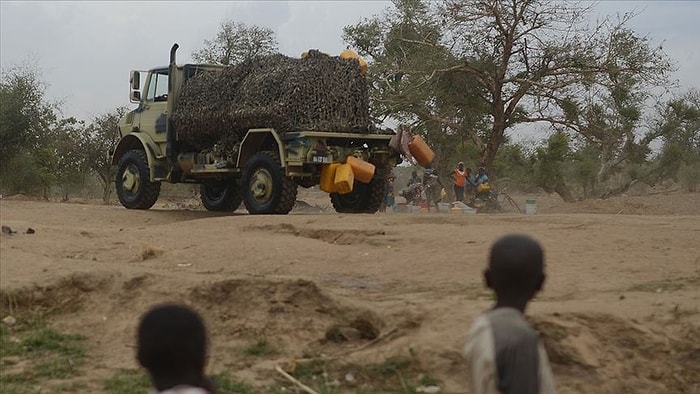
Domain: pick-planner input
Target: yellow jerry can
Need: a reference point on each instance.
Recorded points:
(349, 54)
(362, 170)
(327, 183)
(344, 179)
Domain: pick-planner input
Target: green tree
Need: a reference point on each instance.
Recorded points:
(608, 113)
(520, 62)
(236, 42)
(100, 137)
(413, 78)
(678, 122)
(70, 165)
(550, 166)
(27, 162)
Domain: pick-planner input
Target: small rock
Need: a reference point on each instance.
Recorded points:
(30, 231)
(7, 230)
(349, 377)
(622, 296)
(9, 320)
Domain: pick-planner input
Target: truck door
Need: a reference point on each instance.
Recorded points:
(151, 117)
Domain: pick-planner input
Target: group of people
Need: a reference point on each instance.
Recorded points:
(503, 353)
(466, 182)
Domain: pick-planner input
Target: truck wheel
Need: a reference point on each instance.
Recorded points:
(133, 182)
(364, 198)
(220, 197)
(266, 190)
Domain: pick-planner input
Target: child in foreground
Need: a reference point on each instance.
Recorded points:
(504, 352)
(172, 347)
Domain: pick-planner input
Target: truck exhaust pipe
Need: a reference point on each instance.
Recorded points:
(170, 143)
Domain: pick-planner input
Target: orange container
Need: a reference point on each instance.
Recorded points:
(421, 151)
(362, 170)
(344, 179)
(327, 183)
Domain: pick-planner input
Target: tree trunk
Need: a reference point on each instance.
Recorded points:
(564, 192)
(106, 193)
(488, 155)
(106, 182)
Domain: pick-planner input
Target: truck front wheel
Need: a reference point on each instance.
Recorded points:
(221, 196)
(364, 198)
(133, 181)
(265, 188)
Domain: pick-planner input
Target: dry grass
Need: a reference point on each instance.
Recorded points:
(150, 252)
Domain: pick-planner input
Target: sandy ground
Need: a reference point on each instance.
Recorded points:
(620, 312)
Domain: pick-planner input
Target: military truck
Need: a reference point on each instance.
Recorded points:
(264, 170)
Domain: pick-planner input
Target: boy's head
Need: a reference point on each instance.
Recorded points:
(172, 342)
(516, 268)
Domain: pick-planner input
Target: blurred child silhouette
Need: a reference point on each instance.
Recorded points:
(504, 352)
(172, 347)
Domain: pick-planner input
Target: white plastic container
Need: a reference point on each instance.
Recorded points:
(530, 207)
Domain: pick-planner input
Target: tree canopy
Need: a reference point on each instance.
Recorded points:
(479, 68)
(236, 42)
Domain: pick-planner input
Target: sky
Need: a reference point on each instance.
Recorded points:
(85, 49)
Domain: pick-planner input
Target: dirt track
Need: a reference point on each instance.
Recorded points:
(620, 311)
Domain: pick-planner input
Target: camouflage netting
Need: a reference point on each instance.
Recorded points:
(319, 92)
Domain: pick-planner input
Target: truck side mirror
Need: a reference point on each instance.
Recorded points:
(135, 80)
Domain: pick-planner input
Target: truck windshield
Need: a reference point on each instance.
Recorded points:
(158, 87)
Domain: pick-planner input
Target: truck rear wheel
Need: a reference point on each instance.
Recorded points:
(220, 196)
(364, 198)
(265, 188)
(133, 181)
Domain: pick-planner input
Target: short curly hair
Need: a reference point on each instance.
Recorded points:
(172, 341)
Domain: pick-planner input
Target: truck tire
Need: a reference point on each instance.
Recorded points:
(221, 196)
(364, 198)
(265, 188)
(133, 181)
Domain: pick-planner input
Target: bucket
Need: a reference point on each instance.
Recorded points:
(421, 151)
(344, 179)
(363, 171)
(530, 207)
(327, 182)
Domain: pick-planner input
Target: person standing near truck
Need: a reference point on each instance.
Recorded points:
(460, 179)
(389, 197)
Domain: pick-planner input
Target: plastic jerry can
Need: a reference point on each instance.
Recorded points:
(362, 170)
(421, 151)
(327, 183)
(344, 179)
